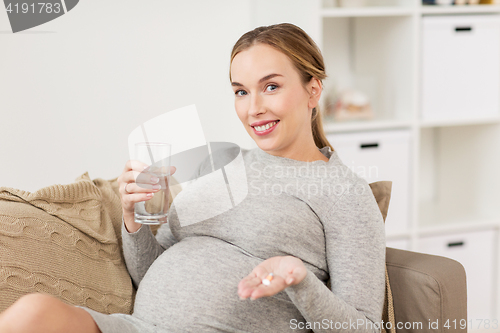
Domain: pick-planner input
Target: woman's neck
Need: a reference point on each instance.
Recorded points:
(306, 154)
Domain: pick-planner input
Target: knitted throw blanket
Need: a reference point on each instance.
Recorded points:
(64, 240)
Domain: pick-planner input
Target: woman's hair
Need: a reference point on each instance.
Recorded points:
(304, 54)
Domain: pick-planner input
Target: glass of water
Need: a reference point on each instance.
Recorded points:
(156, 155)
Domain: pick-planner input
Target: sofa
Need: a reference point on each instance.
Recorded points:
(65, 240)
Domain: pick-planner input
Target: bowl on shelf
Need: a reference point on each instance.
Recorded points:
(351, 104)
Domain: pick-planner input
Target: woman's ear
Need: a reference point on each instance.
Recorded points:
(314, 88)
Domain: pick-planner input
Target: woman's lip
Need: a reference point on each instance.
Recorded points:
(262, 122)
(267, 131)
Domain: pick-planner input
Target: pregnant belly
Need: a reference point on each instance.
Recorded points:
(193, 287)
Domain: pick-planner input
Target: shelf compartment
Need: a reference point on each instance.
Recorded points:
(458, 176)
(435, 219)
(375, 55)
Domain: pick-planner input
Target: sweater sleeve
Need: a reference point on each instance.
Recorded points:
(355, 250)
(141, 248)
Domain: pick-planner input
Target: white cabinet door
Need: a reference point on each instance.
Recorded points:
(381, 155)
(460, 67)
(475, 251)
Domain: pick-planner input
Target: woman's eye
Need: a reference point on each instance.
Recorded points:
(240, 93)
(271, 87)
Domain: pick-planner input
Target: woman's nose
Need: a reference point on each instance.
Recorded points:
(256, 106)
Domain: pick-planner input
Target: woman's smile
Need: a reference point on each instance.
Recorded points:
(265, 129)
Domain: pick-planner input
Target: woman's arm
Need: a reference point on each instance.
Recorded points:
(141, 248)
(355, 249)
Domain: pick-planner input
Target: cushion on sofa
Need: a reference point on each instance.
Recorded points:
(382, 193)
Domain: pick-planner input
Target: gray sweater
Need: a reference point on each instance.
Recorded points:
(320, 212)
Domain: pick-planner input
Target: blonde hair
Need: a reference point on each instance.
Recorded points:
(304, 54)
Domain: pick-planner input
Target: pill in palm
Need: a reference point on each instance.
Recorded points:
(268, 279)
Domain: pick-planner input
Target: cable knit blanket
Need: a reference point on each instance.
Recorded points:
(65, 240)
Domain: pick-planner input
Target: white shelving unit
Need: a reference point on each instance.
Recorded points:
(454, 164)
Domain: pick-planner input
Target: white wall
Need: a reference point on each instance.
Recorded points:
(303, 13)
(71, 90)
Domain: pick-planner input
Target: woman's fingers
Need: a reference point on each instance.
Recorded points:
(250, 282)
(247, 286)
(135, 165)
(274, 287)
(141, 188)
(287, 271)
(143, 176)
(297, 275)
(132, 193)
(138, 183)
(138, 197)
(254, 288)
(293, 270)
(163, 170)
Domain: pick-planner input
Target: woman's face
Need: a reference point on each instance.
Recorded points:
(269, 89)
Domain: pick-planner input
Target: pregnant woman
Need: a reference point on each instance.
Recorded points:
(263, 265)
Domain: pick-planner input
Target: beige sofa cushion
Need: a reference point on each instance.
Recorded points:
(382, 193)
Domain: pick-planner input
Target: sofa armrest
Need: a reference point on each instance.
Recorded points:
(427, 289)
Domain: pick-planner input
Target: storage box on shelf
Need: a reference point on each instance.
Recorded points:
(460, 67)
(381, 155)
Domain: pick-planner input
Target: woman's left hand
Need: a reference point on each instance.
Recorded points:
(287, 270)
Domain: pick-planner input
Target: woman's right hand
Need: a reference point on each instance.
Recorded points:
(132, 192)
